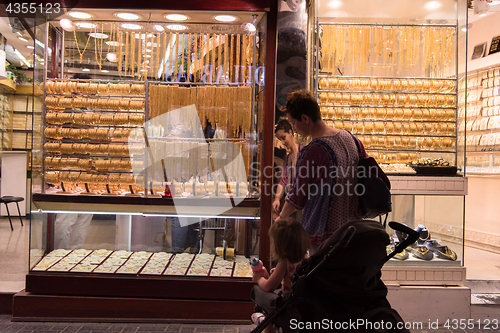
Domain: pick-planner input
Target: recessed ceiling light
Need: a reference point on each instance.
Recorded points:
(432, 5)
(335, 4)
(127, 16)
(143, 36)
(67, 24)
(111, 56)
(147, 56)
(176, 27)
(104, 71)
(494, 3)
(23, 39)
(176, 17)
(225, 18)
(85, 25)
(159, 28)
(112, 43)
(85, 70)
(131, 26)
(80, 15)
(98, 35)
(30, 47)
(148, 50)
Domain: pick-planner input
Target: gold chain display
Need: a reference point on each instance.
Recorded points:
(402, 46)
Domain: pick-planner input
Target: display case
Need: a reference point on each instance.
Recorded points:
(389, 75)
(482, 120)
(152, 141)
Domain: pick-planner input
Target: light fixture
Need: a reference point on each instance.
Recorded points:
(335, 4)
(104, 71)
(98, 35)
(147, 56)
(159, 28)
(85, 25)
(131, 26)
(148, 50)
(112, 43)
(432, 5)
(176, 17)
(85, 70)
(494, 3)
(67, 24)
(23, 39)
(144, 36)
(176, 27)
(111, 56)
(154, 44)
(80, 15)
(30, 47)
(248, 28)
(225, 18)
(127, 16)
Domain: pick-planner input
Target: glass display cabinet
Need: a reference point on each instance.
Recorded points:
(389, 75)
(147, 176)
(482, 120)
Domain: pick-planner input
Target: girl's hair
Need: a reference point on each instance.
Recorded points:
(302, 102)
(289, 240)
(284, 125)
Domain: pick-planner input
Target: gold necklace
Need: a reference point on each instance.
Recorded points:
(78, 47)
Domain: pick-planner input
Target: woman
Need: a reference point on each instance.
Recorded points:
(325, 181)
(284, 133)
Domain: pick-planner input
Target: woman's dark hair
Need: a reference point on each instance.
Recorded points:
(302, 102)
(284, 125)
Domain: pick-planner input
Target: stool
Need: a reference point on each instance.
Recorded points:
(8, 199)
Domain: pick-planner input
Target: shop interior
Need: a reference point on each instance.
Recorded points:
(101, 128)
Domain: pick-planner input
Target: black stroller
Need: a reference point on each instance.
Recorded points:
(339, 287)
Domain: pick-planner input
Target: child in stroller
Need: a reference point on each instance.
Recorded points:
(339, 287)
(289, 244)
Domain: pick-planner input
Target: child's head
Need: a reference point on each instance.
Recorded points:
(289, 240)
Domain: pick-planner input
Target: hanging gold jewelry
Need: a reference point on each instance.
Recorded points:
(401, 43)
(78, 46)
(189, 54)
(238, 59)
(132, 57)
(126, 52)
(120, 51)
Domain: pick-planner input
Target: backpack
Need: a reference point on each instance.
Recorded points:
(375, 200)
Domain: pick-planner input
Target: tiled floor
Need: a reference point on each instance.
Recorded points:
(14, 245)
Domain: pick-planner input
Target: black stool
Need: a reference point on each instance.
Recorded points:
(8, 199)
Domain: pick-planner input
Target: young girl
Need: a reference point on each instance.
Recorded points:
(289, 244)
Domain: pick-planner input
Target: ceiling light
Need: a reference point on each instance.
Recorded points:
(147, 56)
(225, 18)
(30, 47)
(176, 27)
(23, 39)
(143, 36)
(67, 24)
(154, 44)
(85, 25)
(112, 43)
(335, 4)
(79, 15)
(159, 28)
(176, 17)
(131, 26)
(104, 71)
(85, 70)
(111, 56)
(494, 3)
(432, 5)
(248, 28)
(148, 50)
(127, 16)
(98, 35)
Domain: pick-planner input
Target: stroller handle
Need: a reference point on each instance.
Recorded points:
(413, 235)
